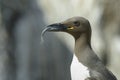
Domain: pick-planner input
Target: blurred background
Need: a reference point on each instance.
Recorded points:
(23, 57)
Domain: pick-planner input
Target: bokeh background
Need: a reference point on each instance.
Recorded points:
(23, 57)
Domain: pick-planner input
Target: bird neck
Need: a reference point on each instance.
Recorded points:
(83, 40)
(83, 48)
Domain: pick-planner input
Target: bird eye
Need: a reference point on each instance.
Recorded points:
(76, 23)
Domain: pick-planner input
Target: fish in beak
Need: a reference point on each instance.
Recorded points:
(56, 27)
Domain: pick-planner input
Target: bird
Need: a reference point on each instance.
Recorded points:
(80, 29)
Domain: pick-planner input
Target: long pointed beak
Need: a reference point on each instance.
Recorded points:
(56, 27)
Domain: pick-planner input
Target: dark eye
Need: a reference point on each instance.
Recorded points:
(76, 23)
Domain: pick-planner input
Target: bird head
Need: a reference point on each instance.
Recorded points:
(73, 26)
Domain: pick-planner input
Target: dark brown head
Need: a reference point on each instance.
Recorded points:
(74, 26)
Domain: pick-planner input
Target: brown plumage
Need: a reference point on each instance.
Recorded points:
(80, 29)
